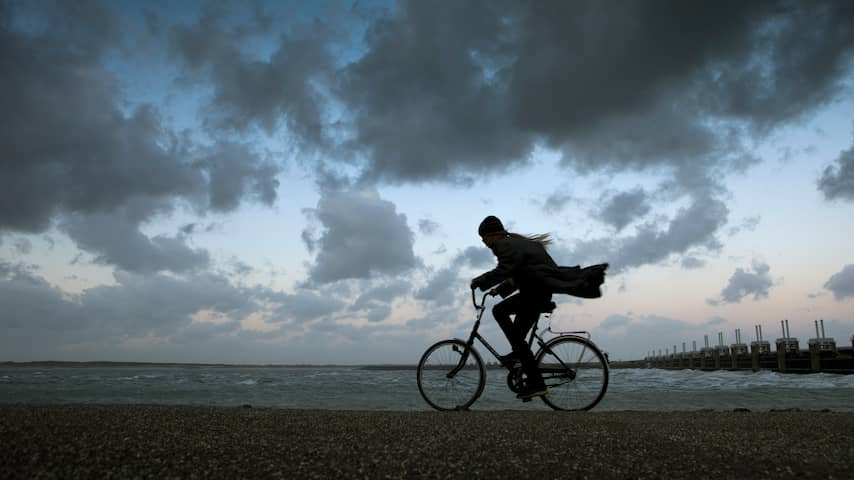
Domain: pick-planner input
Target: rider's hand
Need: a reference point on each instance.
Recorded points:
(473, 285)
(493, 292)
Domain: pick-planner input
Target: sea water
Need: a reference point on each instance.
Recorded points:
(358, 388)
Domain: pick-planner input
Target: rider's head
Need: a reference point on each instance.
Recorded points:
(491, 229)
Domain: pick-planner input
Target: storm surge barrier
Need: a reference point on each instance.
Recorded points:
(822, 354)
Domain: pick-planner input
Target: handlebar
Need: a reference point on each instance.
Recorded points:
(474, 300)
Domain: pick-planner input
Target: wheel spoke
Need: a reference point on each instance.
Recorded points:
(443, 382)
(575, 372)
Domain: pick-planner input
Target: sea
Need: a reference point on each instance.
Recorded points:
(389, 388)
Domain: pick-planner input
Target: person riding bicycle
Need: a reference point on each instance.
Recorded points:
(522, 262)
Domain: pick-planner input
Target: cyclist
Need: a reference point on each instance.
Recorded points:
(523, 265)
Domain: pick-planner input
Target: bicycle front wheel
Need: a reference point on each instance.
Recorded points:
(451, 376)
(575, 372)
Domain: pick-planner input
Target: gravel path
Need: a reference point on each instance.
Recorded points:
(146, 441)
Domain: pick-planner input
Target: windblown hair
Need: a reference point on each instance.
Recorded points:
(543, 238)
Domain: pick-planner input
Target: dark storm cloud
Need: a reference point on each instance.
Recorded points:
(423, 100)
(837, 181)
(743, 283)
(450, 89)
(363, 235)
(622, 208)
(842, 283)
(249, 90)
(71, 149)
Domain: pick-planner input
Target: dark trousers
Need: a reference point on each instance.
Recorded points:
(527, 307)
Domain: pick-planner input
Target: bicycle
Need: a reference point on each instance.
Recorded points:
(452, 376)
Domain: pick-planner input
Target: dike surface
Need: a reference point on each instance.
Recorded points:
(150, 441)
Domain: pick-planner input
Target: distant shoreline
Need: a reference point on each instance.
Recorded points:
(110, 364)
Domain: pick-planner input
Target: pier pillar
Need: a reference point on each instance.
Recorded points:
(781, 356)
(815, 357)
(754, 359)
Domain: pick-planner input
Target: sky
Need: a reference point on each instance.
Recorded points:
(301, 182)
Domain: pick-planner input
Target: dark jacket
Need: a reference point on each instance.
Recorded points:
(526, 265)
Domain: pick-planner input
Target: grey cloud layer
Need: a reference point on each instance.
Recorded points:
(445, 91)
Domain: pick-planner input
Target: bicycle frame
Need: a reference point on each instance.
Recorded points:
(475, 335)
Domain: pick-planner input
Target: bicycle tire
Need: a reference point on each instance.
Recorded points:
(461, 390)
(584, 388)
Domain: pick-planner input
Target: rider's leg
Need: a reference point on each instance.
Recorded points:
(502, 311)
(526, 309)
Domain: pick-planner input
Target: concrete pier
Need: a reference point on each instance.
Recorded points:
(822, 354)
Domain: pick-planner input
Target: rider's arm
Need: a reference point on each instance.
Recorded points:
(508, 261)
(506, 288)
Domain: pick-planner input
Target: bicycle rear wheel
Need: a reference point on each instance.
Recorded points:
(450, 376)
(575, 372)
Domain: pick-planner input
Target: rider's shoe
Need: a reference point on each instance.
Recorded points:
(527, 395)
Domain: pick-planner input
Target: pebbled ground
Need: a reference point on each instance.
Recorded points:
(149, 441)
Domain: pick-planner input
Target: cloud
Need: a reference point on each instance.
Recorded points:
(442, 286)
(622, 208)
(694, 226)
(692, 263)
(422, 102)
(73, 152)
(252, 91)
(375, 302)
(363, 236)
(136, 305)
(115, 239)
(301, 306)
(427, 227)
(475, 257)
(235, 173)
(556, 201)
(613, 90)
(615, 321)
(23, 246)
(837, 181)
(744, 282)
(842, 283)
(747, 224)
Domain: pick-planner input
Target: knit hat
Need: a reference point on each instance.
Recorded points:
(490, 224)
